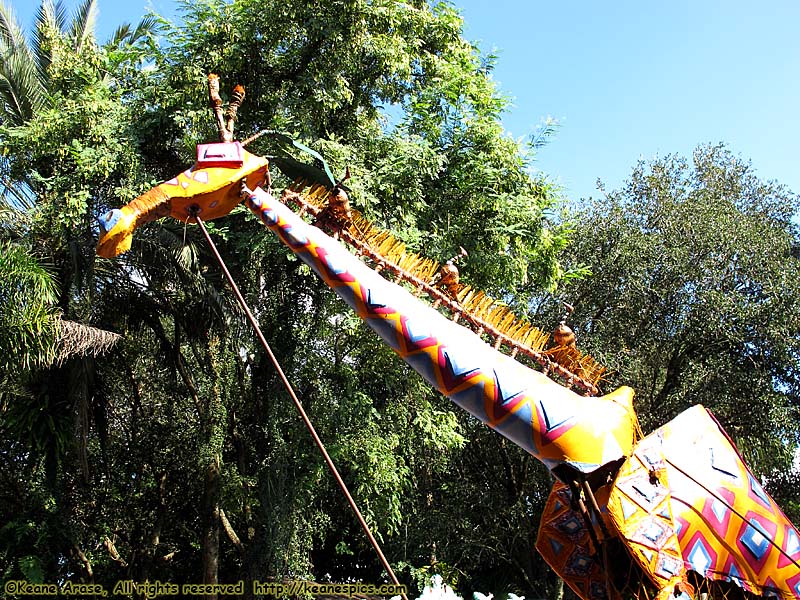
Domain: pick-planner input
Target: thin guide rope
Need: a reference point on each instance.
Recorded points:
(296, 401)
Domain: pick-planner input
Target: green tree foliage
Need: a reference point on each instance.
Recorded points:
(322, 74)
(177, 456)
(30, 72)
(693, 296)
(27, 319)
(62, 154)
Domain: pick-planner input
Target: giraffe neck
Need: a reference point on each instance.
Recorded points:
(549, 421)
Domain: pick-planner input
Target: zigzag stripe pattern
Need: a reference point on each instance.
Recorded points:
(486, 315)
(546, 419)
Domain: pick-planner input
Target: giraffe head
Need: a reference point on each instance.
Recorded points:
(211, 187)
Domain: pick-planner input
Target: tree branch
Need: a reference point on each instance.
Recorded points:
(112, 552)
(82, 557)
(226, 525)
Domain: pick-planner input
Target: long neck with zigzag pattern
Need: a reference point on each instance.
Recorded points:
(549, 421)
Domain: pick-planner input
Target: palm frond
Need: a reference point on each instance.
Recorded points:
(125, 34)
(17, 204)
(52, 14)
(22, 92)
(120, 35)
(11, 109)
(28, 295)
(78, 339)
(22, 274)
(148, 24)
(11, 34)
(50, 21)
(83, 24)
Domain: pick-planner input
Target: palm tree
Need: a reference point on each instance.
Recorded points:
(56, 394)
(27, 311)
(24, 68)
(22, 89)
(29, 321)
(35, 284)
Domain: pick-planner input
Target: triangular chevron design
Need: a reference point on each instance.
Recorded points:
(483, 313)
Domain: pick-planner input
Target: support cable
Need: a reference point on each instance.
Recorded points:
(194, 211)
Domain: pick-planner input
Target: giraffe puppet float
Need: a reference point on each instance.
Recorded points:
(625, 512)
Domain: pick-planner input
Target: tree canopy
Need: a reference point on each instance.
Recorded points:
(693, 296)
(175, 456)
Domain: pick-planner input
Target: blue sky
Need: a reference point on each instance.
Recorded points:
(627, 80)
(631, 79)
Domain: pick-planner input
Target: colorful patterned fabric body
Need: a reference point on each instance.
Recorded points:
(683, 501)
(564, 543)
(728, 527)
